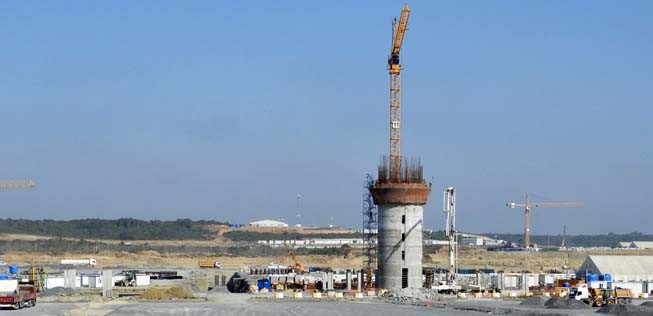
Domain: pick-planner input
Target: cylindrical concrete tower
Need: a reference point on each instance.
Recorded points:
(399, 247)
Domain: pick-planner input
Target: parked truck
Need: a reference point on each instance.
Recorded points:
(600, 297)
(209, 264)
(16, 295)
(80, 262)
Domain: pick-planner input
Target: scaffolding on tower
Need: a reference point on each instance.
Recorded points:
(369, 231)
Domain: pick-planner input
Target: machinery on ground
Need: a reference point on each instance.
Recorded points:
(600, 297)
(209, 264)
(16, 295)
(36, 276)
(449, 201)
(297, 267)
(80, 262)
(129, 280)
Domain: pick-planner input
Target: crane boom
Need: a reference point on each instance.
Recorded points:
(14, 184)
(399, 29)
(394, 67)
(527, 212)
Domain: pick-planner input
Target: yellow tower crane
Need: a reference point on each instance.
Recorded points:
(394, 67)
(527, 211)
(14, 184)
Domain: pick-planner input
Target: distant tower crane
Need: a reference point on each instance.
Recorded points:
(394, 67)
(527, 207)
(450, 230)
(15, 184)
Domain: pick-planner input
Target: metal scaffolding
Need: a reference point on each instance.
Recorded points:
(369, 230)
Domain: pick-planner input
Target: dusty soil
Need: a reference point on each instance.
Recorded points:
(468, 257)
(519, 261)
(153, 259)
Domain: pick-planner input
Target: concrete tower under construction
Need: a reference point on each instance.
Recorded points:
(399, 192)
(400, 203)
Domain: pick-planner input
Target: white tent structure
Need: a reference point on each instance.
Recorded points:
(622, 268)
(268, 223)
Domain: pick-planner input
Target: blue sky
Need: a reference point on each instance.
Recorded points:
(228, 110)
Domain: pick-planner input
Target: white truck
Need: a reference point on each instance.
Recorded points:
(600, 297)
(80, 262)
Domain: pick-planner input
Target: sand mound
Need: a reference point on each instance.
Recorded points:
(59, 291)
(535, 301)
(561, 303)
(177, 292)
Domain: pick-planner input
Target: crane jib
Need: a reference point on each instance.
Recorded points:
(399, 31)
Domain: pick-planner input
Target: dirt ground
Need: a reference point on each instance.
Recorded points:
(520, 261)
(153, 259)
(243, 304)
(468, 257)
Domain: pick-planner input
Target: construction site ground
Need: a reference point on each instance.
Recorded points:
(260, 304)
(468, 258)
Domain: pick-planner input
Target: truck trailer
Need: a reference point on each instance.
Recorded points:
(79, 262)
(16, 295)
(209, 264)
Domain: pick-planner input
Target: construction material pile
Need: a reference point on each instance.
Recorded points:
(535, 301)
(409, 295)
(172, 293)
(628, 310)
(562, 303)
(59, 291)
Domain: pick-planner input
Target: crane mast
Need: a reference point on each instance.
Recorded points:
(394, 67)
(449, 201)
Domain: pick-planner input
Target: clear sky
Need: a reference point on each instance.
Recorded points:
(227, 110)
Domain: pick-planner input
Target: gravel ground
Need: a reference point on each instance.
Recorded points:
(627, 310)
(243, 305)
(534, 301)
(563, 303)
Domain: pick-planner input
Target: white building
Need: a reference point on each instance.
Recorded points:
(641, 245)
(268, 223)
(625, 244)
(471, 241)
(478, 240)
(633, 272)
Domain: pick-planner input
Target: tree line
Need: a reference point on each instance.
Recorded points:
(56, 246)
(599, 240)
(114, 229)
